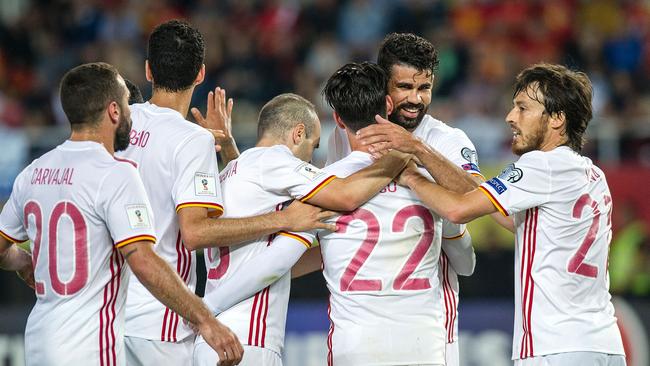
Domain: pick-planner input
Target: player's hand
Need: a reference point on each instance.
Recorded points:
(410, 172)
(304, 217)
(385, 135)
(27, 274)
(223, 341)
(218, 117)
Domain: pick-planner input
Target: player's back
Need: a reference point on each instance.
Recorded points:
(161, 148)
(80, 280)
(381, 269)
(259, 182)
(562, 284)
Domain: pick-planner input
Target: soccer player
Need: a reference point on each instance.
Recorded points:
(446, 152)
(402, 235)
(561, 206)
(259, 181)
(86, 214)
(177, 163)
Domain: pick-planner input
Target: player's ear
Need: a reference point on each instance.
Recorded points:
(338, 120)
(147, 71)
(389, 105)
(557, 121)
(114, 112)
(298, 134)
(200, 76)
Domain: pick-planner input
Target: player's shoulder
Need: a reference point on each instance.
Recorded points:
(165, 121)
(350, 164)
(436, 131)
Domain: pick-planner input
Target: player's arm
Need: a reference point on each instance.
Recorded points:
(347, 194)
(311, 261)
(457, 245)
(259, 272)
(12, 258)
(218, 120)
(166, 286)
(456, 207)
(200, 231)
(386, 135)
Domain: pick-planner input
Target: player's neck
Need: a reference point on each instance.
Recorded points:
(268, 141)
(178, 101)
(95, 136)
(355, 145)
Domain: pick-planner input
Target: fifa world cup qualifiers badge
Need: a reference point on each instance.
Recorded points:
(205, 184)
(138, 216)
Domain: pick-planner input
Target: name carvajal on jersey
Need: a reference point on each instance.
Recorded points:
(205, 184)
(138, 216)
(309, 171)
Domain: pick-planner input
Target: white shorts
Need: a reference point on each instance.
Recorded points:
(145, 352)
(574, 359)
(204, 355)
(452, 357)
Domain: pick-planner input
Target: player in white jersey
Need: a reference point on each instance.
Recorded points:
(562, 219)
(446, 152)
(86, 214)
(259, 181)
(177, 163)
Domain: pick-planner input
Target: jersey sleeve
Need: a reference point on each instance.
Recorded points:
(457, 244)
(125, 207)
(521, 185)
(196, 178)
(11, 218)
(283, 173)
(460, 150)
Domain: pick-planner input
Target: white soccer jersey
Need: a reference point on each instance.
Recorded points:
(77, 205)
(258, 182)
(562, 211)
(178, 166)
(454, 145)
(381, 269)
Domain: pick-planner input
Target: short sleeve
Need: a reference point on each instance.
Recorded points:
(452, 231)
(283, 173)
(11, 218)
(521, 185)
(460, 150)
(126, 208)
(196, 178)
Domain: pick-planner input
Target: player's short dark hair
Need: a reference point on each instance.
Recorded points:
(564, 91)
(86, 91)
(135, 96)
(175, 54)
(283, 113)
(407, 49)
(357, 92)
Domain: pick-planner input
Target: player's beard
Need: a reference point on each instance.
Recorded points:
(408, 123)
(531, 141)
(122, 134)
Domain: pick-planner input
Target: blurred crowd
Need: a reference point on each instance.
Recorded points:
(258, 49)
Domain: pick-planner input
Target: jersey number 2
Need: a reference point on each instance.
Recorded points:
(577, 263)
(79, 277)
(402, 280)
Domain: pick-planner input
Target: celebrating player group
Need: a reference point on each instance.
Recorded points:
(115, 214)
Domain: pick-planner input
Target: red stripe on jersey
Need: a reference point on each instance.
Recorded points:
(443, 268)
(101, 326)
(252, 322)
(135, 165)
(330, 334)
(524, 287)
(260, 309)
(119, 261)
(452, 298)
(266, 313)
(164, 325)
(533, 245)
